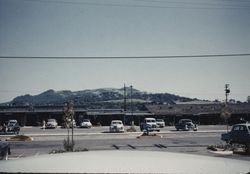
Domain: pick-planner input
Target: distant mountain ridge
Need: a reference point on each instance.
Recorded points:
(102, 95)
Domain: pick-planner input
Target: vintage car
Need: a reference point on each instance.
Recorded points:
(160, 123)
(51, 124)
(239, 134)
(116, 126)
(86, 124)
(149, 125)
(186, 125)
(10, 127)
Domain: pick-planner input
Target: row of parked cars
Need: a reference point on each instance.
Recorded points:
(152, 124)
(52, 124)
(149, 124)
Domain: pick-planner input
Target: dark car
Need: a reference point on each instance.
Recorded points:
(240, 133)
(4, 150)
(186, 124)
(13, 126)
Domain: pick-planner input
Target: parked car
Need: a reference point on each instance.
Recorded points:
(240, 133)
(74, 124)
(10, 126)
(4, 150)
(86, 124)
(13, 126)
(70, 125)
(149, 124)
(160, 123)
(116, 126)
(186, 125)
(51, 124)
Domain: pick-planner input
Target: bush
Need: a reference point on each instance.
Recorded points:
(68, 145)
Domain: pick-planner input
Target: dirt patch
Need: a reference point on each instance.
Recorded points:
(20, 138)
(150, 135)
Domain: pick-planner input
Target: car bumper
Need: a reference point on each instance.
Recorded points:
(116, 129)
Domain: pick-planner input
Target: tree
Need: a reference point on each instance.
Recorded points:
(225, 115)
(69, 122)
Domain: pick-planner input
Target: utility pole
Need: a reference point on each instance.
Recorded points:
(125, 103)
(227, 114)
(227, 91)
(125, 98)
(131, 104)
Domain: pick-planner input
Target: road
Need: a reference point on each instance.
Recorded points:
(59, 130)
(49, 140)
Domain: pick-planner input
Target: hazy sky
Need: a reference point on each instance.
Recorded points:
(125, 28)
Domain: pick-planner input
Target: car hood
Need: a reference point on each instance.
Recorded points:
(117, 125)
(85, 123)
(51, 122)
(125, 162)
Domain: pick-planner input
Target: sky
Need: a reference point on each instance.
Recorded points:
(40, 28)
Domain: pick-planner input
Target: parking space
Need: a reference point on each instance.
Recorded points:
(168, 139)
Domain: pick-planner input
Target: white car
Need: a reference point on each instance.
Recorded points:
(150, 125)
(86, 124)
(160, 123)
(51, 123)
(116, 126)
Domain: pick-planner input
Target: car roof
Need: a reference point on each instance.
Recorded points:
(185, 120)
(116, 121)
(149, 118)
(12, 120)
(242, 124)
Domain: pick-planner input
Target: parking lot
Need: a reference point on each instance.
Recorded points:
(98, 138)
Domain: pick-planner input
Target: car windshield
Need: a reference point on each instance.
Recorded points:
(116, 122)
(151, 121)
(12, 122)
(159, 76)
(186, 121)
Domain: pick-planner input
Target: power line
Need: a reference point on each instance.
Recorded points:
(128, 57)
(216, 7)
(197, 4)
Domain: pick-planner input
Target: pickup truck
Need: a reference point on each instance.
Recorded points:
(239, 134)
(149, 125)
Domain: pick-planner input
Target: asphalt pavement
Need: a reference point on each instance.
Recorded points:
(97, 138)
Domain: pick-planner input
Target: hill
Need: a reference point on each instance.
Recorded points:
(102, 96)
